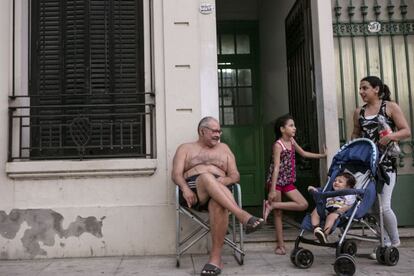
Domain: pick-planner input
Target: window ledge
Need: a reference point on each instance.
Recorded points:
(71, 168)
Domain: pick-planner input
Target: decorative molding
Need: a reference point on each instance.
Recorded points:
(361, 29)
(75, 168)
(407, 151)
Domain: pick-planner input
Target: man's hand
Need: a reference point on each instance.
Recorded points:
(190, 197)
(221, 179)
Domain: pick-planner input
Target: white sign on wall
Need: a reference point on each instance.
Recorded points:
(374, 27)
(206, 8)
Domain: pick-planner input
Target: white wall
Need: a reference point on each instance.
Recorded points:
(5, 87)
(208, 58)
(111, 207)
(325, 78)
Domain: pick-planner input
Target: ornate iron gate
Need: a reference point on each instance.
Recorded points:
(302, 96)
(377, 38)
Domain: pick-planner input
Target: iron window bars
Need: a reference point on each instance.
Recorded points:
(86, 83)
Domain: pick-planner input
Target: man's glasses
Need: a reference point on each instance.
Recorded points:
(217, 131)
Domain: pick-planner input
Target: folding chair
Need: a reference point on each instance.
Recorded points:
(234, 237)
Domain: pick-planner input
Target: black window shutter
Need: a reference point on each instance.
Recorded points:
(87, 79)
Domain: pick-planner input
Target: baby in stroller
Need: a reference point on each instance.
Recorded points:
(334, 207)
(360, 158)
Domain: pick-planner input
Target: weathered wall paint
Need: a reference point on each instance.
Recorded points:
(43, 226)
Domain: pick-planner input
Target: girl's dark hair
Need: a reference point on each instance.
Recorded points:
(350, 179)
(281, 122)
(384, 91)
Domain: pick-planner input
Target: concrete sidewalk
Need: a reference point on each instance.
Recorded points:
(259, 260)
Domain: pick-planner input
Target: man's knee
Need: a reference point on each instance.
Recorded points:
(205, 178)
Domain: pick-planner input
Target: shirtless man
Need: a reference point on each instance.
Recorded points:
(203, 169)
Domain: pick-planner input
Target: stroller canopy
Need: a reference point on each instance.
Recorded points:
(360, 152)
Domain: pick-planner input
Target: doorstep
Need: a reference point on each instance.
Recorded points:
(291, 231)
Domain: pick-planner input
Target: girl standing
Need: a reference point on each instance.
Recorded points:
(282, 176)
(378, 106)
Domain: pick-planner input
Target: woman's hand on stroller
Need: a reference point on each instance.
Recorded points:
(312, 189)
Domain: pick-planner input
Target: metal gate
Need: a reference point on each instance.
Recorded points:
(302, 96)
(377, 38)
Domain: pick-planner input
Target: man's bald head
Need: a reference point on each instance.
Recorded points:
(204, 123)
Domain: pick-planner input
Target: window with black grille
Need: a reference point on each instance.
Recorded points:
(86, 84)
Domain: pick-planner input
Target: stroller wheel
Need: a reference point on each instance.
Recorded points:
(348, 247)
(371, 219)
(392, 255)
(303, 258)
(293, 255)
(345, 265)
(380, 254)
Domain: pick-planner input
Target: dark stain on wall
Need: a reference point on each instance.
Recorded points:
(43, 226)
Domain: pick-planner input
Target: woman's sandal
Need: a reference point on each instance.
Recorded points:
(280, 250)
(210, 270)
(253, 224)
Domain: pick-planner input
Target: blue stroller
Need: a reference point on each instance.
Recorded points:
(361, 158)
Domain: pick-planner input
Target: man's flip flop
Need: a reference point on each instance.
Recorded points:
(209, 270)
(253, 224)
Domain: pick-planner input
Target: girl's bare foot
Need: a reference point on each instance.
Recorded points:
(280, 250)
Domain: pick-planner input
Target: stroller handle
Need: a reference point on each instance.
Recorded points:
(324, 195)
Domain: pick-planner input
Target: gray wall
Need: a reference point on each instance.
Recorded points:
(237, 9)
(273, 58)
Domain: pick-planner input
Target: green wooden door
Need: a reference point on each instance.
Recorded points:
(240, 103)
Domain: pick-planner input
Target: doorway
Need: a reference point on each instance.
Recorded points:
(255, 86)
(239, 102)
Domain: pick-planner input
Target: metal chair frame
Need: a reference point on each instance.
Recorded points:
(234, 238)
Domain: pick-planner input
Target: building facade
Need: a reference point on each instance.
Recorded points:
(97, 95)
